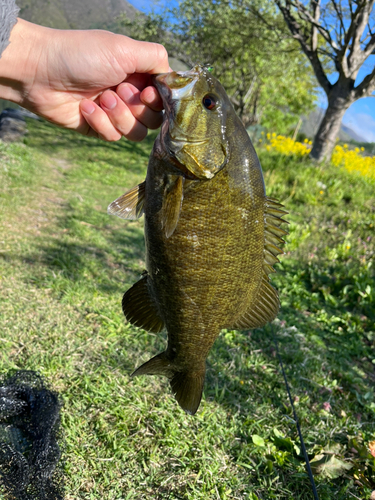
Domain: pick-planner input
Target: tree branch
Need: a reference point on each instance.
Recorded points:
(316, 14)
(339, 15)
(366, 87)
(305, 15)
(312, 55)
(356, 56)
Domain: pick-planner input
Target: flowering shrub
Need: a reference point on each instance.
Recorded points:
(351, 160)
(286, 145)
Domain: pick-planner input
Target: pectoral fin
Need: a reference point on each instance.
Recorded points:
(263, 310)
(172, 203)
(140, 308)
(131, 204)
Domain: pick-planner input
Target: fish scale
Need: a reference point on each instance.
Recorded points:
(212, 235)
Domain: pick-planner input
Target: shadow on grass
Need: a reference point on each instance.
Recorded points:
(108, 261)
(55, 141)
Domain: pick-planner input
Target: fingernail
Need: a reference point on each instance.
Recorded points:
(126, 93)
(108, 100)
(87, 107)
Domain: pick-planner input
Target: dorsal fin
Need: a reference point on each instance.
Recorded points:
(131, 204)
(273, 233)
(172, 203)
(266, 305)
(140, 308)
(263, 310)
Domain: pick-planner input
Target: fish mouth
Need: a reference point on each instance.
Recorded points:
(174, 86)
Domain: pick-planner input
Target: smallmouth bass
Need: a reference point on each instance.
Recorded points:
(212, 235)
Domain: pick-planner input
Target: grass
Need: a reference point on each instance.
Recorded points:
(64, 265)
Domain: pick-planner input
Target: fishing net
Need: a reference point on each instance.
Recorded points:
(30, 455)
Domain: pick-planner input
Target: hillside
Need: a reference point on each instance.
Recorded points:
(70, 14)
(310, 125)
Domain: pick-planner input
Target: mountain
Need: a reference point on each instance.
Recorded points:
(310, 125)
(352, 135)
(75, 14)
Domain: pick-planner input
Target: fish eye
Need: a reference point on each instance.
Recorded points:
(209, 102)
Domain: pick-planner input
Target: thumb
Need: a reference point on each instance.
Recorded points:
(147, 57)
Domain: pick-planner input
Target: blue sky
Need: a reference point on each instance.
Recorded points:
(360, 117)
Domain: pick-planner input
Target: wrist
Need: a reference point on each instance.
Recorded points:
(20, 60)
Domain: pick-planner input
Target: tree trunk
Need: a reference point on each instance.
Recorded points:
(325, 139)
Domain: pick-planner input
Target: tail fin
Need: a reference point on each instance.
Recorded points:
(187, 386)
(158, 365)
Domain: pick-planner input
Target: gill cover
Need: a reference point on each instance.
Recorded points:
(194, 131)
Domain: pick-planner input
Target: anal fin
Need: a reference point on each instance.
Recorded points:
(131, 204)
(263, 310)
(140, 308)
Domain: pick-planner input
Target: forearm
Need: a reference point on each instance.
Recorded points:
(20, 60)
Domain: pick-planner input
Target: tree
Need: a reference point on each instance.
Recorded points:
(249, 47)
(336, 36)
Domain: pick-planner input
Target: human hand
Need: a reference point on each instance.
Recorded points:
(95, 82)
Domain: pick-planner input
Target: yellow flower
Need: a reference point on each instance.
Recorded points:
(321, 192)
(353, 161)
(286, 145)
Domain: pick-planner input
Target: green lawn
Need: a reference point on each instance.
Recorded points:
(64, 265)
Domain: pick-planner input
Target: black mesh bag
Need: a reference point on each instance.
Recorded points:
(30, 454)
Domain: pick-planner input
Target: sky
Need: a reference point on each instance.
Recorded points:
(360, 117)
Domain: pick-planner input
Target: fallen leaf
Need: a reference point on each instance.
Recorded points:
(329, 466)
(371, 446)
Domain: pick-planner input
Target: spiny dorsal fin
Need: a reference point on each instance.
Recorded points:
(274, 208)
(264, 309)
(172, 203)
(140, 309)
(131, 204)
(273, 233)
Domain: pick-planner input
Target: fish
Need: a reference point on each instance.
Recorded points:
(212, 235)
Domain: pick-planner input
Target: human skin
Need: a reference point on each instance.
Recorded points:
(95, 82)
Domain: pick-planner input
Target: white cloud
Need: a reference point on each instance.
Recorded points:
(362, 123)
